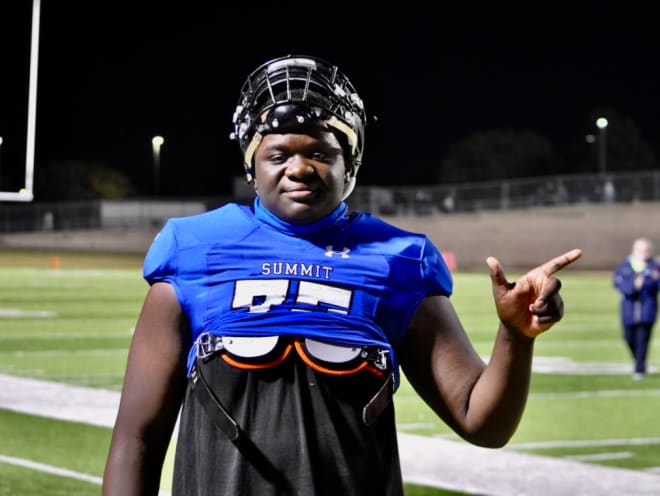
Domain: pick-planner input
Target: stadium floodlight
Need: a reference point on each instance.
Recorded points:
(26, 192)
(157, 141)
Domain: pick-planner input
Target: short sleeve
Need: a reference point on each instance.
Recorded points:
(160, 262)
(435, 273)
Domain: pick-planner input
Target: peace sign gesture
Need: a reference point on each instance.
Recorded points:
(532, 304)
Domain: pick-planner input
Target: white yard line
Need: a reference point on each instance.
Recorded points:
(606, 393)
(50, 469)
(17, 314)
(61, 472)
(466, 468)
(586, 444)
(60, 401)
(594, 457)
(429, 461)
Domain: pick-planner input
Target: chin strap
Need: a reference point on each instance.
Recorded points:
(249, 153)
(348, 188)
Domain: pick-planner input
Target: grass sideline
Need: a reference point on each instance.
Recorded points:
(73, 324)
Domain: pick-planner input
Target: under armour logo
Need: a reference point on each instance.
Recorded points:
(344, 252)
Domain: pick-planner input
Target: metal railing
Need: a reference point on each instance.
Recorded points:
(410, 200)
(509, 194)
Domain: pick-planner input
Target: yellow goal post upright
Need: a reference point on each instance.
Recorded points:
(26, 193)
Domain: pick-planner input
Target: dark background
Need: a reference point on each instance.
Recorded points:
(112, 75)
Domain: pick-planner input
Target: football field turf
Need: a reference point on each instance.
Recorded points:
(73, 325)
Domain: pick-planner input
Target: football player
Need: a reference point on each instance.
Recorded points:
(281, 327)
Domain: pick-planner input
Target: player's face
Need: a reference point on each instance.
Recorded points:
(300, 177)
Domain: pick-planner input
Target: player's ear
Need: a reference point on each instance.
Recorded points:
(251, 176)
(348, 169)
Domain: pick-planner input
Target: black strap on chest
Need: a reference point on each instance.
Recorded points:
(212, 404)
(378, 402)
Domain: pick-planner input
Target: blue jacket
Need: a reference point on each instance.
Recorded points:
(638, 306)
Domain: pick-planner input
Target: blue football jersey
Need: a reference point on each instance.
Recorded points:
(348, 279)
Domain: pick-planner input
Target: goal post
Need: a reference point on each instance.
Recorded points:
(26, 192)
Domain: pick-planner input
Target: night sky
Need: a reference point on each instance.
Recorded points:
(113, 75)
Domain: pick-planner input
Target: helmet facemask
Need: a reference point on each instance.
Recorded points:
(290, 93)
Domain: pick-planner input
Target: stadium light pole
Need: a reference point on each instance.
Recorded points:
(156, 143)
(602, 123)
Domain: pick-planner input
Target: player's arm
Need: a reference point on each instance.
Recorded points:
(153, 390)
(482, 402)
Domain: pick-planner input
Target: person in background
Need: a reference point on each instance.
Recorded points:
(281, 327)
(637, 278)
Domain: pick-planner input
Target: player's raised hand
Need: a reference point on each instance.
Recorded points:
(532, 304)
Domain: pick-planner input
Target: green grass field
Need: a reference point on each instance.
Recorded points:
(73, 324)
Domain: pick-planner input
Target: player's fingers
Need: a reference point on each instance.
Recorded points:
(551, 287)
(552, 310)
(496, 272)
(558, 263)
(500, 285)
(551, 318)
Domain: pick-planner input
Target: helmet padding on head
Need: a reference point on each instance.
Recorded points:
(289, 93)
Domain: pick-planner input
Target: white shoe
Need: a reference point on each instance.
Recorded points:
(638, 376)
